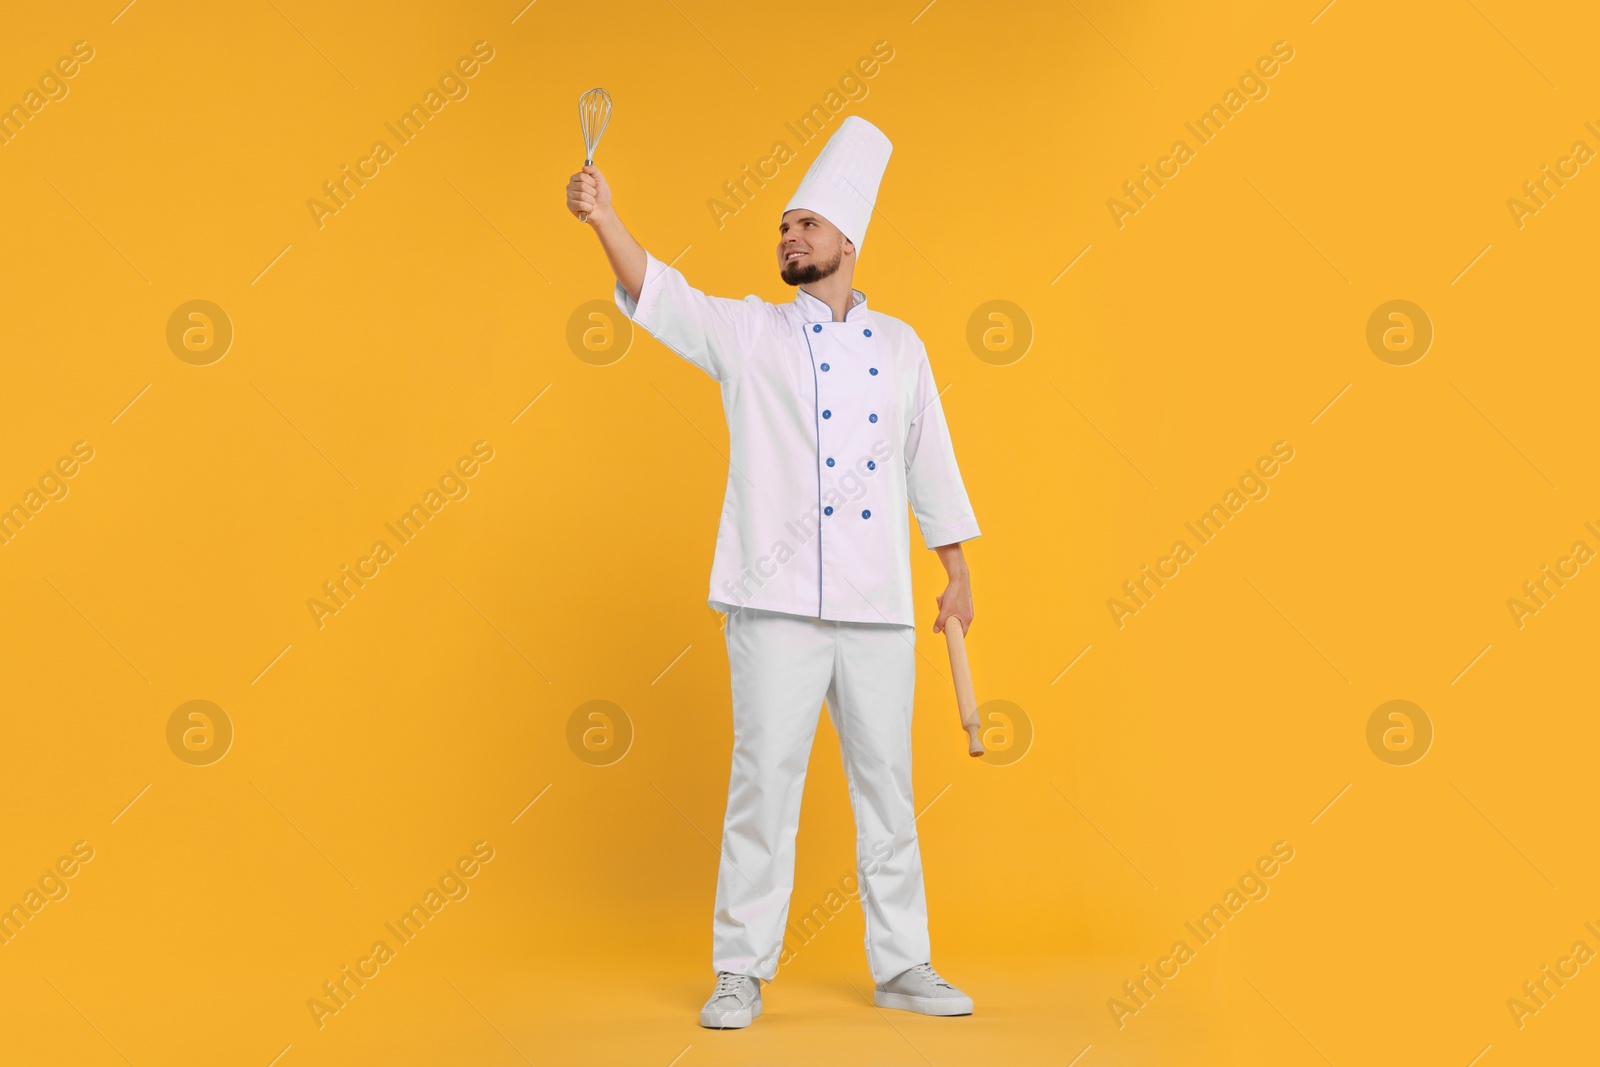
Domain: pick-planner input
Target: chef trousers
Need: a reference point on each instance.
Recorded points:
(782, 667)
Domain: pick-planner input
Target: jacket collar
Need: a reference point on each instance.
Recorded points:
(813, 309)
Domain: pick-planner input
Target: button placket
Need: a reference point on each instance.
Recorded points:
(819, 346)
(848, 353)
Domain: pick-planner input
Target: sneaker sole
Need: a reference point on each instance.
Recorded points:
(730, 1020)
(924, 1005)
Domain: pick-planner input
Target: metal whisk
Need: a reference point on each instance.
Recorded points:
(594, 114)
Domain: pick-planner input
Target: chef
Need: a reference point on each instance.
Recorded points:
(834, 427)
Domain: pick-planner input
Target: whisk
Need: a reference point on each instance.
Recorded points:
(594, 113)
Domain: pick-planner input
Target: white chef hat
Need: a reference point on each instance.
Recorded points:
(842, 184)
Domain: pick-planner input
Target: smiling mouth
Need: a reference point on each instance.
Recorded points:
(792, 256)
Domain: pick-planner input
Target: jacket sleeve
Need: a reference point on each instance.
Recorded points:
(711, 332)
(933, 481)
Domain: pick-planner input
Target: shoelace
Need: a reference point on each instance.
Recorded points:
(925, 970)
(728, 984)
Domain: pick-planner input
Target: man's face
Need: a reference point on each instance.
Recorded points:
(810, 247)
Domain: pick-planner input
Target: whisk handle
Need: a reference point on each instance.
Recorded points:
(583, 216)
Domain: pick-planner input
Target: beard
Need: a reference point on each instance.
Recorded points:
(812, 271)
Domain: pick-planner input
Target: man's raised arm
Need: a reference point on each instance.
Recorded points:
(711, 332)
(590, 196)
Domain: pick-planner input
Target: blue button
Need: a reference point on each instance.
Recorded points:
(874, 370)
(817, 328)
(827, 414)
(872, 418)
(867, 332)
(828, 510)
(830, 461)
(866, 514)
(824, 366)
(871, 466)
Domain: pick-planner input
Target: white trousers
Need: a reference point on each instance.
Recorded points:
(783, 667)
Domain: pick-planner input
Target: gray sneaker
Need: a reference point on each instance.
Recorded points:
(922, 990)
(735, 1001)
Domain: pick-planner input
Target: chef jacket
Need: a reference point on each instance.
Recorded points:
(832, 428)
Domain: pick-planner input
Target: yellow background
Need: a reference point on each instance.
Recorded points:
(425, 716)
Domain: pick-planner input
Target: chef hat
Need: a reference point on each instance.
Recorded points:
(842, 184)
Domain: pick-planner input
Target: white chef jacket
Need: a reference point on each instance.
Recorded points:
(832, 428)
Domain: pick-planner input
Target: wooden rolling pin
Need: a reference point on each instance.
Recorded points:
(961, 675)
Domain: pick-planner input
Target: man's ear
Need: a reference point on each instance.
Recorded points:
(849, 246)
